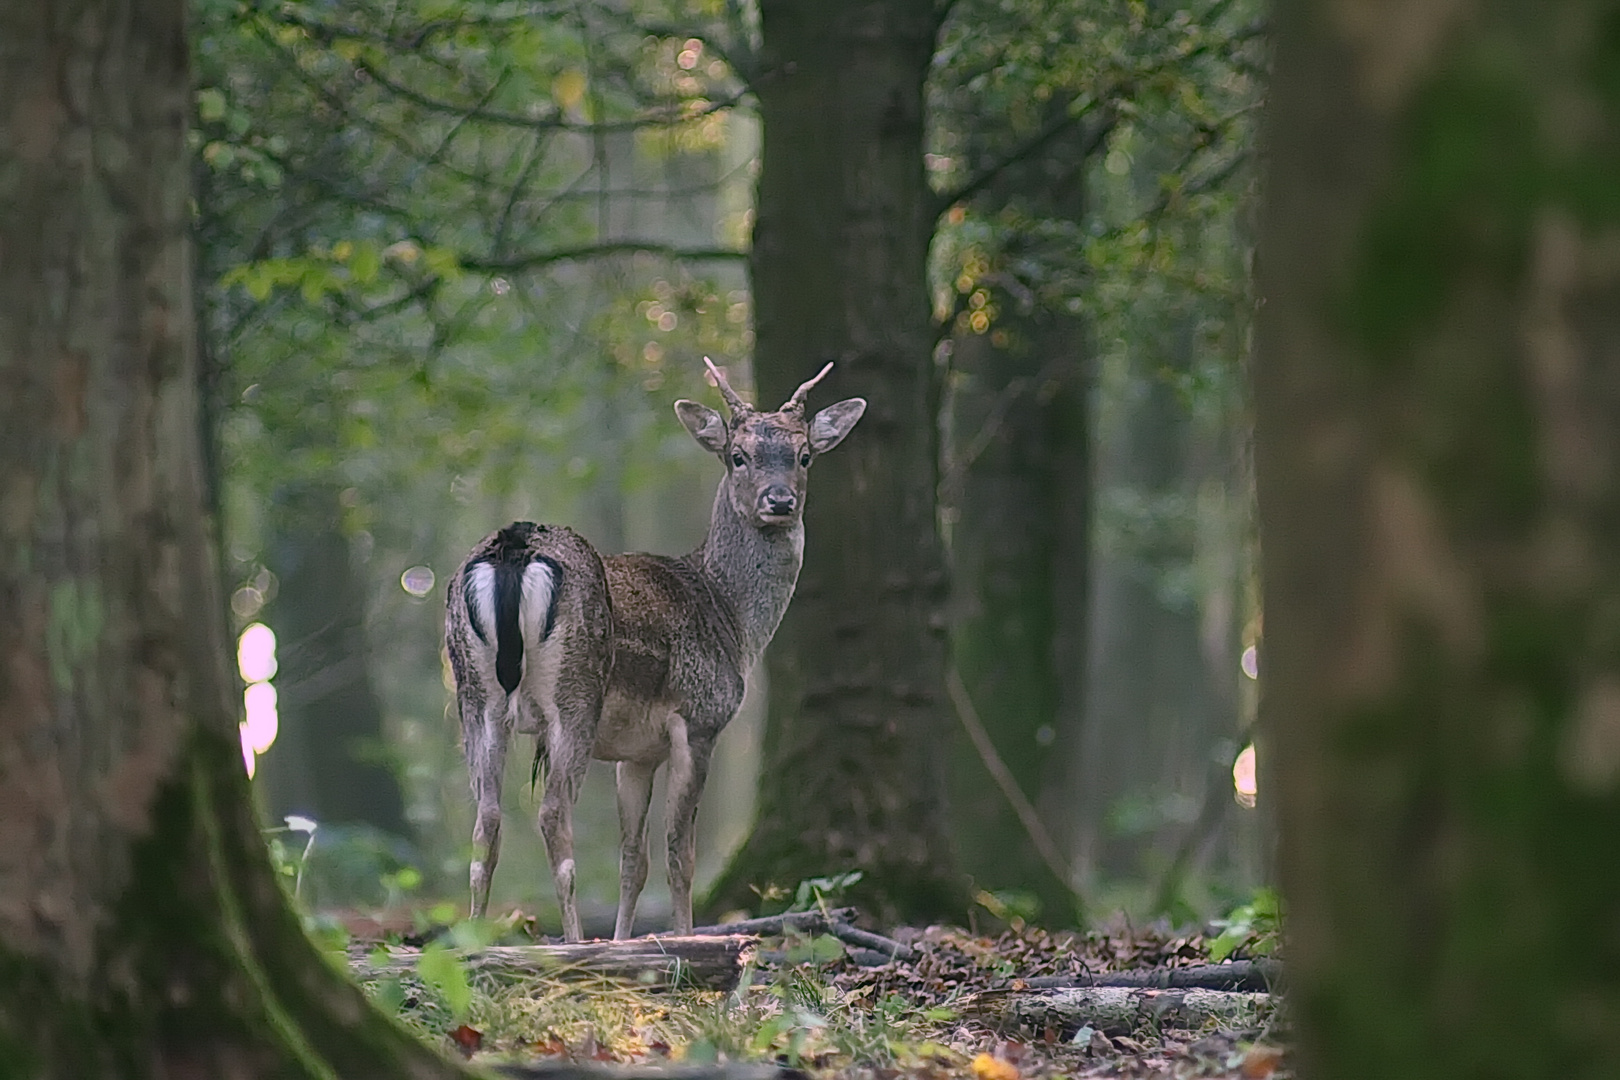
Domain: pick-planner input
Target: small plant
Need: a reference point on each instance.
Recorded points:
(287, 864)
(818, 893)
(1255, 928)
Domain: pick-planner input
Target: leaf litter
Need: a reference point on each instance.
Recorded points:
(810, 1006)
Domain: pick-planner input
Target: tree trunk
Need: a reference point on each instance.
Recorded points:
(1438, 394)
(853, 772)
(1019, 490)
(142, 932)
(1009, 570)
(328, 761)
(1148, 722)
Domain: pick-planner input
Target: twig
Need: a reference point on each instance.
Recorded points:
(864, 939)
(530, 260)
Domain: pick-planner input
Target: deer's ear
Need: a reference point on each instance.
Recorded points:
(829, 426)
(704, 423)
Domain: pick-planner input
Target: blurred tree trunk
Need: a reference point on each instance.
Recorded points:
(854, 769)
(142, 931)
(1019, 497)
(1019, 491)
(1438, 394)
(330, 759)
(1147, 723)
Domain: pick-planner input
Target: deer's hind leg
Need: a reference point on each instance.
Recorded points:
(484, 737)
(571, 708)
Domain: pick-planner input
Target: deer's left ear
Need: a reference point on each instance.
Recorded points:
(704, 423)
(829, 426)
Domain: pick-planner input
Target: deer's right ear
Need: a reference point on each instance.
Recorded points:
(706, 425)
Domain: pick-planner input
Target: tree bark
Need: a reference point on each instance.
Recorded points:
(853, 773)
(142, 932)
(1438, 394)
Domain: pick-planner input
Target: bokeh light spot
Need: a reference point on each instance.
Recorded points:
(262, 723)
(418, 580)
(256, 653)
(1245, 784)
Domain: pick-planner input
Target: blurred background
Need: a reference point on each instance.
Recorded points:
(458, 260)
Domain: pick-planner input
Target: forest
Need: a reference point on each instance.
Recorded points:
(1195, 653)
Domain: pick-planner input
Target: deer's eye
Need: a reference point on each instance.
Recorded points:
(804, 459)
(737, 458)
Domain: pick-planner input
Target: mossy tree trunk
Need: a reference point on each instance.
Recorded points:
(142, 932)
(1438, 394)
(853, 773)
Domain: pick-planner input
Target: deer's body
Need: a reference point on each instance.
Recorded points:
(636, 659)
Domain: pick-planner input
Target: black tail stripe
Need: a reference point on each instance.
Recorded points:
(556, 591)
(508, 639)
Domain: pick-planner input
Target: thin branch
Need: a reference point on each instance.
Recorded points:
(532, 260)
(1044, 845)
(1024, 150)
(672, 115)
(325, 32)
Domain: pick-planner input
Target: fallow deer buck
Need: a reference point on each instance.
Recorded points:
(636, 659)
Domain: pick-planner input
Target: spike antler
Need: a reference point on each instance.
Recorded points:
(736, 404)
(796, 402)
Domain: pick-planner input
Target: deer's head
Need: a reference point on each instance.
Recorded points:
(768, 454)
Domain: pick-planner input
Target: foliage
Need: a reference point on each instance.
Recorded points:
(1254, 928)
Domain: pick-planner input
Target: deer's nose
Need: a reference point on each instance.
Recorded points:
(778, 501)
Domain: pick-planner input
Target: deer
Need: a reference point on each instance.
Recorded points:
(636, 659)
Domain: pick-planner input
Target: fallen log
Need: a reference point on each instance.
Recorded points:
(1118, 1010)
(804, 922)
(701, 962)
(1255, 976)
(564, 1070)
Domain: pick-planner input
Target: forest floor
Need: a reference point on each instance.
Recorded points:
(805, 1004)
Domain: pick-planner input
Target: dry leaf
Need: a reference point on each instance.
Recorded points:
(467, 1039)
(986, 1067)
(1261, 1061)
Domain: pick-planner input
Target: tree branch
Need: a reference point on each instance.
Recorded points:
(535, 259)
(1025, 150)
(674, 114)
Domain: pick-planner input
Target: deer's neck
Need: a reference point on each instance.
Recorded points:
(754, 570)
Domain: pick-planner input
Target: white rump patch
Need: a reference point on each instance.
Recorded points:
(481, 601)
(538, 584)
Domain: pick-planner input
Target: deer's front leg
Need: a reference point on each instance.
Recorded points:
(688, 769)
(634, 784)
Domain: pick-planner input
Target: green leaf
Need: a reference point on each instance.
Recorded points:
(210, 104)
(442, 969)
(390, 996)
(363, 265)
